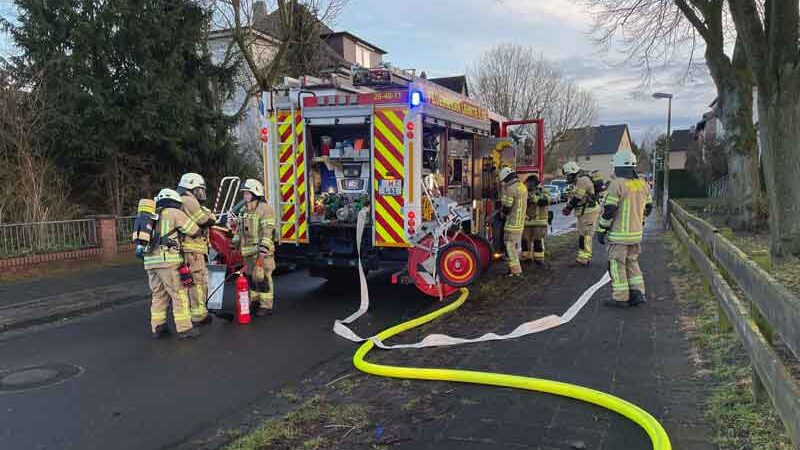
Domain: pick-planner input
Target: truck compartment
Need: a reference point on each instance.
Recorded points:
(339, 173)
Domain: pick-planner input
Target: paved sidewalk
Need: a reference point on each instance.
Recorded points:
(44, 300)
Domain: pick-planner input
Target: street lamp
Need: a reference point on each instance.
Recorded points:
(665, 194)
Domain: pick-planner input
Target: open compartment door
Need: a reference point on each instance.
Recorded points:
(527, 138)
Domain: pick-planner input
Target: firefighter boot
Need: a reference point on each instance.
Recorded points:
(261, 312)
(616, 303)
(637, 298)
(205, 321)
(160, 331)
(189, 334)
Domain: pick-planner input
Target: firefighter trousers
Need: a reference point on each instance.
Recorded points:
(198, 293)
(513, 243)
(165, 284)
(261, 287)
(533, 237)
(623, 265)
(585, 224)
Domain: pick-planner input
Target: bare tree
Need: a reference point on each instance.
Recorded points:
(275, 38)
(655, 31)
(517, 83)
(770, 38)
(31, 189)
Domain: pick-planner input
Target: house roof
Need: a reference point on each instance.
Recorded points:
(270, 23)
(457, 83)
(680, 140)
(600, 140)
(330, 33)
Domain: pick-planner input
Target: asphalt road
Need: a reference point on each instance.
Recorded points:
(136, 393)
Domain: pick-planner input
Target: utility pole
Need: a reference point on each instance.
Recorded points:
(665, 194)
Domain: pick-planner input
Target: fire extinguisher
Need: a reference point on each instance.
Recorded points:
(242, 300)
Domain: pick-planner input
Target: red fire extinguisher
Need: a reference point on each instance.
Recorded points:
(242, 300)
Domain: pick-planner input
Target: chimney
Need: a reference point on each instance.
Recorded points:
(259, 10)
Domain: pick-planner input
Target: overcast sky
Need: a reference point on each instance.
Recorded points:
(442, 37)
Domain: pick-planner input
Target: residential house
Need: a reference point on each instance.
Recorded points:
(339, 53)
(456, 84)
(679, 148)
(594, 147)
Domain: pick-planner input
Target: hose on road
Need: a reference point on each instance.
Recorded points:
(648, 423)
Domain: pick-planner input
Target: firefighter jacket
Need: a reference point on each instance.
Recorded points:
(256, 228)
(583, 199)
(627, 203)
(536, 214)
(170, 229)
(203, 218)
(515, 199)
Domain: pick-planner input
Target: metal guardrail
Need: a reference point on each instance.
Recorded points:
(22, 239)
(125, 229)
(767, 300)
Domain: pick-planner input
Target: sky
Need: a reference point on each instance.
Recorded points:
(443, 37)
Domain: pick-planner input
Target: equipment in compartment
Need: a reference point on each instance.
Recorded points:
(341, 172)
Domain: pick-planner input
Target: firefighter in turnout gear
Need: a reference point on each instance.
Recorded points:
(254, 238)
(515, 202)
(587, 210)
(536, 220)
(627, 204)
(162, 262)
(192, 188)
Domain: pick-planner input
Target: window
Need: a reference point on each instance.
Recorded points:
(363, 56)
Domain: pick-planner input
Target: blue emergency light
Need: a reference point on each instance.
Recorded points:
(416, 98)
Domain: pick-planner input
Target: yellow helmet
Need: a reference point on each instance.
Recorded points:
(253, 186)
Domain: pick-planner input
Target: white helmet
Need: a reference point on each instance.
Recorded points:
(253, 186)
(168, 194)
(571, 168)
(624, 158)
(505, 171)
(192, 180)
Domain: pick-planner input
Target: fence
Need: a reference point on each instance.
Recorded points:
(718, 188)
(768, 308)
(125, 229)
(24, 239)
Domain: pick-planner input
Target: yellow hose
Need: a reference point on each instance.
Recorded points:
(639, 416)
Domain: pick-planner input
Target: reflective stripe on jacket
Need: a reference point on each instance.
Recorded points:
(172, 225)
(201, 216)
(630, 196)
(515, 197)
(536, 216)
(584, 192)
(256, 229)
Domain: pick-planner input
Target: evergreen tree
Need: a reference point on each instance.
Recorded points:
(128, 88)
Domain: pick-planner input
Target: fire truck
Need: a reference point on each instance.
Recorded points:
(422, 160)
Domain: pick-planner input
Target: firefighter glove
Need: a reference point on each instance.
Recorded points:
(542, 201)
(567, 210)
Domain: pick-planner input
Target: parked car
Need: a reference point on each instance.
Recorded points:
(554, 191)
(562, 185)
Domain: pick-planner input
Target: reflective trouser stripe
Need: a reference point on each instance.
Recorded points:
(166, 287)
(513, 243)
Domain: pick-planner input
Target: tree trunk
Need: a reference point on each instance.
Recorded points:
(741, 151)
(779, 112)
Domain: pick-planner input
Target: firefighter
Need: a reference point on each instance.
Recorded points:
(584, 202)
(536, 220)
(627, 204)
(514, 201)
(192, 188)
(162, 262)
(254, 238)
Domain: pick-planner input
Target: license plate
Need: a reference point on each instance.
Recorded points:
(390, 187)
(352, 185)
